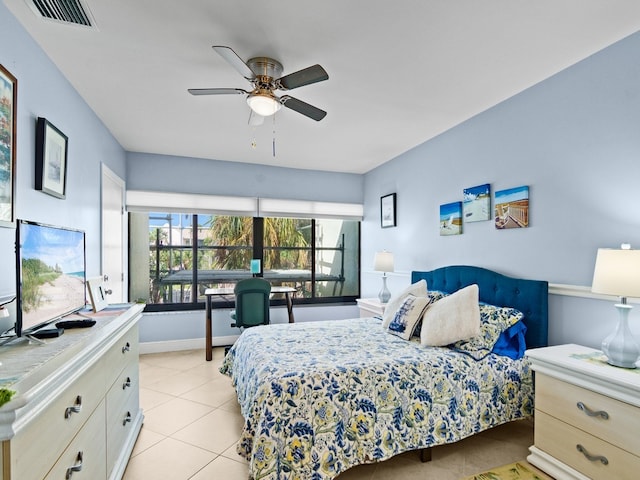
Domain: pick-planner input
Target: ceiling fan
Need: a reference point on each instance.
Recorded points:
(264, 73)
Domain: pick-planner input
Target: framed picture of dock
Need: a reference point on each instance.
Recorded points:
(451, 219)
(8, 102)
(476, 205)
(512, 208)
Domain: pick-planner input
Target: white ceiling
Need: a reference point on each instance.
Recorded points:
(400, 72)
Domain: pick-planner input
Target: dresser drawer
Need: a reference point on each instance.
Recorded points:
(86, 453)
(122, 407)
(562, 400)
(124, 352)
(41, 442)
(561, 441)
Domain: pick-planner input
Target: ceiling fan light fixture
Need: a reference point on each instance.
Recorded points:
(264, 104)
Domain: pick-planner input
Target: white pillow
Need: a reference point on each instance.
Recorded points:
(452, 318)
(418, 289)
(407, 316)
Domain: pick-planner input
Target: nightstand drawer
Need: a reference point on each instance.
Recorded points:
(582, 408)
(563, 441)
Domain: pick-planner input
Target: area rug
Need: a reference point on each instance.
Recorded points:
(513, 471)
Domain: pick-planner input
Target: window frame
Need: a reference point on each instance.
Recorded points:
(258, 253)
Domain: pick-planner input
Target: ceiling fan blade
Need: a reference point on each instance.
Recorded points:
(303, 77)
(303, 108)
(215, 91)
(235, 61)
(255, 120)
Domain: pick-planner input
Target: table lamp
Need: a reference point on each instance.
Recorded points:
(383, 262)
(617, 272)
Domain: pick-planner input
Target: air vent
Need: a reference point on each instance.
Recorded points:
(74, 12)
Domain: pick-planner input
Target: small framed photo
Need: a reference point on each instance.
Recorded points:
(97, 293)
(476, 205)
(451, 219)
(512, 208)
(388, 211)
(51, 159)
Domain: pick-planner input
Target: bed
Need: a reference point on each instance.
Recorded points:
(321, 397)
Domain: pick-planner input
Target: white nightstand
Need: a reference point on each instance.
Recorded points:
(370, 307)
(587, 415)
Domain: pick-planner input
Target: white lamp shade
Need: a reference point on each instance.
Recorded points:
(617, 272)
(264, 105)
(383, 262)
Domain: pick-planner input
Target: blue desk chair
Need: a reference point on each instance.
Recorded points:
(252, 303)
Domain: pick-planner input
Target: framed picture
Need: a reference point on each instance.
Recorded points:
(476, 205)
(451, 219)
(97, 293)
(388, 210)
(8, 105)
(512, 208)
(51, 159)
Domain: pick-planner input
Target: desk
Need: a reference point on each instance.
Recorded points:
(223, 292)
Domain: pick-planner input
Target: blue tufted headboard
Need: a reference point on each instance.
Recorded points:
(528, 296)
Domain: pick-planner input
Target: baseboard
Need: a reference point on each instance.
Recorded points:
(188, 344)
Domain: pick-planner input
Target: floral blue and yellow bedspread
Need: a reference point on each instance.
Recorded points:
(321, 397)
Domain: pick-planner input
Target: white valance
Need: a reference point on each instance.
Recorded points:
(272, 207)
(150, 201)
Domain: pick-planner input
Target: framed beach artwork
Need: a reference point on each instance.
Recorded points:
(388, 210)
(51, 159)
(512, 208)
(8, 104)
(476, 204)
(451, 219)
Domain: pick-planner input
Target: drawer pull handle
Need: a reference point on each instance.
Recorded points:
(74, 468)
(127, 419)
(126, 348)
(75, 408)
(127, 383)
(592, 458)
(592, 413)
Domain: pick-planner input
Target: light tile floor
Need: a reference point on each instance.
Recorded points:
(193, 421)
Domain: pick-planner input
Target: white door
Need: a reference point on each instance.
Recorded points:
(113, 236)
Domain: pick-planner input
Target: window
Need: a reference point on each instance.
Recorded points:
(172, 262)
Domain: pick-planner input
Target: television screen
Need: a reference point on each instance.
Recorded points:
(50, 274)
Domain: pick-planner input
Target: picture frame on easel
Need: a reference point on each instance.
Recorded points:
(97, 293)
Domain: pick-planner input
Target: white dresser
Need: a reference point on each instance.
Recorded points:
(587, 415)
(75, 414)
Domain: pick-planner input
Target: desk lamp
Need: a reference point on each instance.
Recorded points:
(617, 272)
(383, 262)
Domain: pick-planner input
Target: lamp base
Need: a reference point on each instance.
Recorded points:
(385, 295)
(621, 347)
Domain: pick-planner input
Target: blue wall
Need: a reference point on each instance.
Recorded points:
(574, 139)
(44, 92)
(196, 175)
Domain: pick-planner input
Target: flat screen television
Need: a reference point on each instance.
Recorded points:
(51, 274)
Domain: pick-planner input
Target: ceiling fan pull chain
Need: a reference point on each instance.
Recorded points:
(274, 136)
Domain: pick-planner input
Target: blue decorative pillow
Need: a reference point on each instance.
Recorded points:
(511, 342)
(407, 316)
(493, 321)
